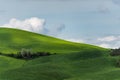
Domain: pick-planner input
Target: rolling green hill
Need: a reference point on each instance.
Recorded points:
(74, 66)
(81, 61)
(13, 40)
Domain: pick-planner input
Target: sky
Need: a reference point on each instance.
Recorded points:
(94, 22)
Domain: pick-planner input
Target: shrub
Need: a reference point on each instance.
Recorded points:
(115, 52)
(27, 54)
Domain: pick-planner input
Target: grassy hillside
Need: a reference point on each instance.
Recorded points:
(7, 63)
(82, 61)
(13, 40)
(74, 66)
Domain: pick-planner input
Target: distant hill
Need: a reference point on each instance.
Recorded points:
(74, 61)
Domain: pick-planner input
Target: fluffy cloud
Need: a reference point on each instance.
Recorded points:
(108, 38)
(109, 42)
(106, 42)
(34, 24)
(109, 45)
(105, 45)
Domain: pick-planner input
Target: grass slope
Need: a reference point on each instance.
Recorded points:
(74, 66)
(84, 62)
(7, 63)
(13, 40)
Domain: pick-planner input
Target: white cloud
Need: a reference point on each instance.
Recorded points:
(108, 38)
(108, 41)
(105, 45)
(33, 24)
(112, 41)
(110, 45)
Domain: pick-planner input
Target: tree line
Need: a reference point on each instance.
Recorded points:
(115, 52)
(27, 54)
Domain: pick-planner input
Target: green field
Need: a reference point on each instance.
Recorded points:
(73, 61)
(13, 40)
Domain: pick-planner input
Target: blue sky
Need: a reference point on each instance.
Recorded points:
(89, 21)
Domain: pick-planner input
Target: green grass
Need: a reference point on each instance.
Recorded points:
(7, 63)
(74, 61)
(66, 67)
(13, 40)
